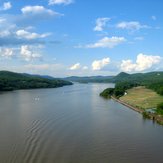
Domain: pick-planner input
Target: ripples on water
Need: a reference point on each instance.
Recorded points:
(73, 124)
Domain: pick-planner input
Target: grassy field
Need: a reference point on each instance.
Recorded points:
(142, 98)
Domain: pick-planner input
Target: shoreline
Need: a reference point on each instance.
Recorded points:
(129, 106)
(154, 117)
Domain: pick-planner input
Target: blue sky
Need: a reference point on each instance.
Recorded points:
(84, 38)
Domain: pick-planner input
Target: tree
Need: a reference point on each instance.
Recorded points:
(160, 106)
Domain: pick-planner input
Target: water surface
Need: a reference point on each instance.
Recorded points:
(73, 124)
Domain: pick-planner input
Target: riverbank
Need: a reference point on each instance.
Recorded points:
(125, 104)
(155, 117)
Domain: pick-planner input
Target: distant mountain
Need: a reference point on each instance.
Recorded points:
(121, 77)
(89, 79)
(12, 81)
(150, 76)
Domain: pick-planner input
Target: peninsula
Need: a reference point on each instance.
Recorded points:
(140, 92)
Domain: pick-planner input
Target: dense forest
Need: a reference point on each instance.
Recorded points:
(13, 81)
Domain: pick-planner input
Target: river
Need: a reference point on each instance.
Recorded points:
(73, 124)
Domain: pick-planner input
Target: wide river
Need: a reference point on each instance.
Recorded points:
(73, 124)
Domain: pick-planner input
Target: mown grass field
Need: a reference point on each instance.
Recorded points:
(142, 97)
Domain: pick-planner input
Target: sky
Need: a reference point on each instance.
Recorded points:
(81, 38)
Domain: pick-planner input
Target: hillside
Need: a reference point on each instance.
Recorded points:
(124, 81)
(121, 77)
(150, 76)
(142, 97)
(12, 81)
(41, 76)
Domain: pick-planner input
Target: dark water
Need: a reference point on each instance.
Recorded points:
(73, 124)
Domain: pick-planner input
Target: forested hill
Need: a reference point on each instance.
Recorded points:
(124, 81)
(12, 81)
(150, 76)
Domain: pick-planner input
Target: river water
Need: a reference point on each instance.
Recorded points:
(73, 124)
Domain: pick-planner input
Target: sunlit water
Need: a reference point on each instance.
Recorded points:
(73, 124)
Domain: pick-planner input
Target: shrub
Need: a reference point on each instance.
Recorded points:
(160, 106)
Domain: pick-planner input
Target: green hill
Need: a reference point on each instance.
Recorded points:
(150, 76)
(12, 81)
(124, 81)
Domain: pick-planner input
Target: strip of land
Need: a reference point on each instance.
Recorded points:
(140, 99)
(126, 104)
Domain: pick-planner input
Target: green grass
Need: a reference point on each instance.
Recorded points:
(142, 97)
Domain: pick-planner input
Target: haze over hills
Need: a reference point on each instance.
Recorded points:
(118, 78)
(87, 79)
(41, 76)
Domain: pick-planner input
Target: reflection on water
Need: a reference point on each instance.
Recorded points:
(73, 124)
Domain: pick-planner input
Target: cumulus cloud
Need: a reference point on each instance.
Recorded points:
(33, 14)
(30, 35)
(132, 25)
(143, 62)
(6, 52)
(75, 66)
(107, 42)
(100, 24)
(6, 6)
(11, 34)
(59, 2)
(15, 29)
(99, 64)
(34, 10)
(28, 54)
(30, 15)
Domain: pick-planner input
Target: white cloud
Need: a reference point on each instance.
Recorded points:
(107, 42)
(13, 34)
(37, 10)
(6, 52)
(4, 33)
(99, 64)
(59, 2)
(132, 25)
(28, 54)
(29, 36)
(85, 68)
(6, 6)
(143, 62)
(153, 17)
(100, 24)
(128, 65)
(33, 14)
(75, 66)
